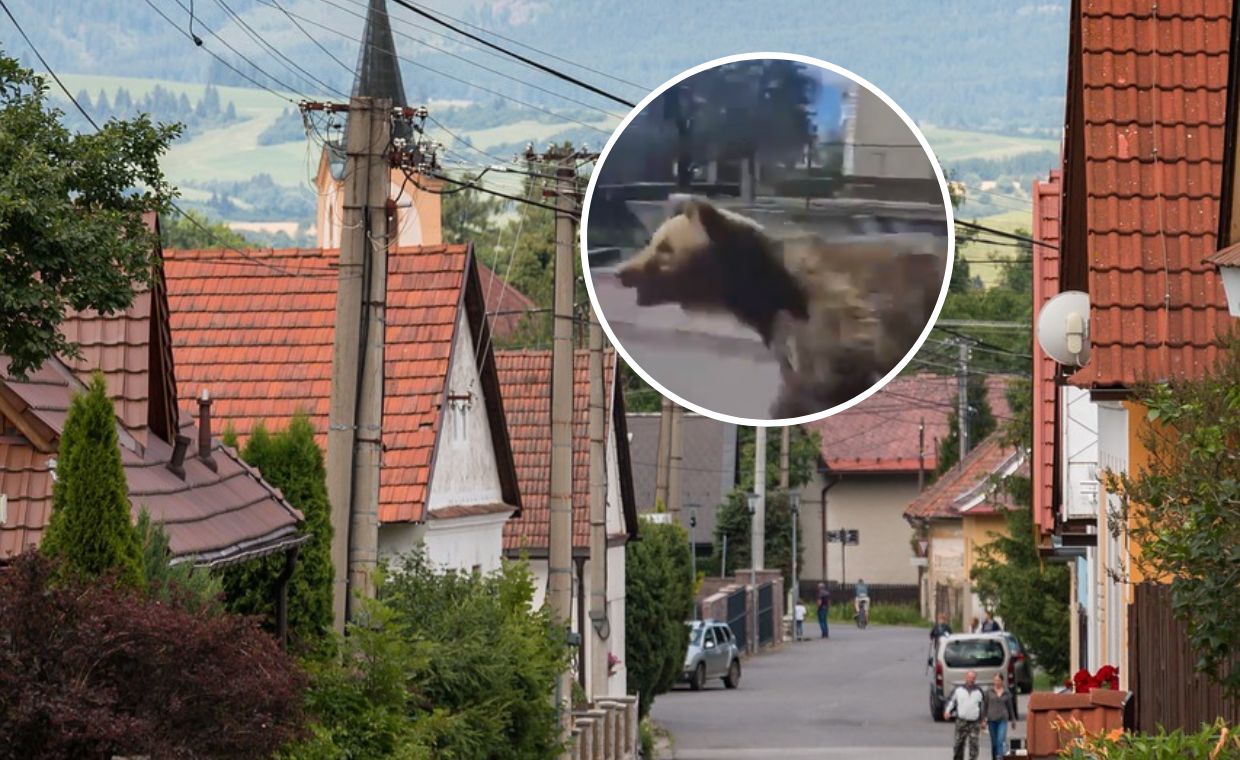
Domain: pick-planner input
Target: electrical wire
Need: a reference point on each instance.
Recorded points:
(224, 62)
(528, 61)
(311, 37)
(1004, 234)
(496, 72)
(288, 63)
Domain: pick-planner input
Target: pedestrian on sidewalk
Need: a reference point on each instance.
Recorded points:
(966, 705)
(1000, 716)
(990, 625)
(976, 627)
(798, 615)
(824, 605)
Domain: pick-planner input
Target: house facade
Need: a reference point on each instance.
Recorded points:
(525, 377)
(1139, 212)
(961, 513)
(868, 473)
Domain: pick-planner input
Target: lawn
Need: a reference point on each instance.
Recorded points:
(880, 614)
(979, 255)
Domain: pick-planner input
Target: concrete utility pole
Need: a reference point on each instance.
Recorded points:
(365, 218)
(663, 454)
(559, 565)
(675, 459)
(598, 513)
(921, 455)
(962, 387)
(785, 441)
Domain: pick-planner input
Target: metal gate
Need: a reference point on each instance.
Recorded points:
(766, 613)
(738, 621)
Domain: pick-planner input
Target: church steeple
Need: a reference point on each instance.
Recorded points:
(378, 68)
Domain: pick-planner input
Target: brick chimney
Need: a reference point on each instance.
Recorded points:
(204, 431)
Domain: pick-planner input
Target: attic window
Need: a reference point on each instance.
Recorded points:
(8, 429)
(459, 405)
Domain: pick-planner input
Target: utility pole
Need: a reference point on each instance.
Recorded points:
(663, 454)
(785, 441)
(921, 455)
(598, 512)
(675, 459)
(759, 487)
(362, 275)
(693, 510)
(794, 506)
(559, 571)
(962, 387)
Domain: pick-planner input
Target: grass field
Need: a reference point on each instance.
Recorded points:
(956, 145)
(979, 255)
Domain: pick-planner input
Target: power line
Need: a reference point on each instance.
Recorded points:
(288, 63)
(1004, 234)
(528, 61)
(312, 38)
(553, 56)
(433, 70)
(221, 59)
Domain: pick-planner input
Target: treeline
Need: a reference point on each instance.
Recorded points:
(161, 103)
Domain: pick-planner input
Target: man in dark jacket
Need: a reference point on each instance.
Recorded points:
(940, 629)
(824, 606)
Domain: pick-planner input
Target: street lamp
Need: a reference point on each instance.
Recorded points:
(794, 505)
(693, 508)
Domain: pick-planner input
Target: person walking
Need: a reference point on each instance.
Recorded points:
(1000, 709)
(824, 605)
(966, 703)
(990, 625)
(798, 616)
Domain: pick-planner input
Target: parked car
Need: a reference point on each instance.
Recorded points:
(1022, 668)
(713, 653)
(986, 654)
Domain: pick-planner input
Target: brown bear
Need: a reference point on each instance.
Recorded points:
(838, 315)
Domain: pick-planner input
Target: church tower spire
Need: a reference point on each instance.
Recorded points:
(378, 67)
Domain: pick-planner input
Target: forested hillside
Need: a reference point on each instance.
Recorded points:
(973, 64)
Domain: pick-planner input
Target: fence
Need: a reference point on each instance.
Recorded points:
(766, 614)
(1166, 689)
(880, 593)
(738, 620)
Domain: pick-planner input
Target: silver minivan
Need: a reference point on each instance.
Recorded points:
(984, 653)
(713, 653)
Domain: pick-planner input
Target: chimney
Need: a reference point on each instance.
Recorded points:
(177, 465)
(204, 431)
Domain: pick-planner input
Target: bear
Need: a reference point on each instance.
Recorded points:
(837, 315)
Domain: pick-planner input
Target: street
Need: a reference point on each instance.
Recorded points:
(859, 694)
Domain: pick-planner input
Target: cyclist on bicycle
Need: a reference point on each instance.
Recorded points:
(861, 597)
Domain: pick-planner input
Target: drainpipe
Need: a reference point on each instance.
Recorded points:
(581, 624)
(282, 581)
(829, 482)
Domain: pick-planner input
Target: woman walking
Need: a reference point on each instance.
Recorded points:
(1000, 711)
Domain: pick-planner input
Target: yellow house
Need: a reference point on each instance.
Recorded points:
(953, 519)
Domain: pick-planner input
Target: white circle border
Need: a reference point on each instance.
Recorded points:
(949, 216)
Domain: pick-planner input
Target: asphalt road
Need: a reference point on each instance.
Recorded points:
(709, 359)
(859, 694)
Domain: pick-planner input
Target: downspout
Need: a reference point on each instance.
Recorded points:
(282, 581)
(829, 482)
(581, 623)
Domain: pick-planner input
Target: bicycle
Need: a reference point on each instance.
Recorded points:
(862, 615)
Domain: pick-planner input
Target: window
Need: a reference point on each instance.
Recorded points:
(724, 634)
(710, 636)
(973, 653)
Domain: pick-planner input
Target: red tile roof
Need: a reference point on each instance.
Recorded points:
(957, 491)
(1151, 91)
(257, 332)
(525, 377)
(505, 304)
(211, 517)
(1046, 203)
(881, 434)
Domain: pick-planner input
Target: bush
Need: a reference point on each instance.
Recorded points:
(447, 665)
(1212, 742)
(91, 531)
(182, 583)
(734, 521)
(292, 461)
(94, 669)
(658, 602)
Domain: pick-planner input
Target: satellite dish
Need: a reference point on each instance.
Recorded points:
(1063, 328)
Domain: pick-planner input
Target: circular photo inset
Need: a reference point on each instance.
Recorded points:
(767, 239)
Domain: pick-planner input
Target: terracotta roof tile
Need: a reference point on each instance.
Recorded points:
(211, 517)
(1047, 197)
(525, 377)
(957, 490)
(261, 338)
(1153, 99)
(881, 434)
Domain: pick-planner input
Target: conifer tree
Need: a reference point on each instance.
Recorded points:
(292, 461)
(91, 531)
